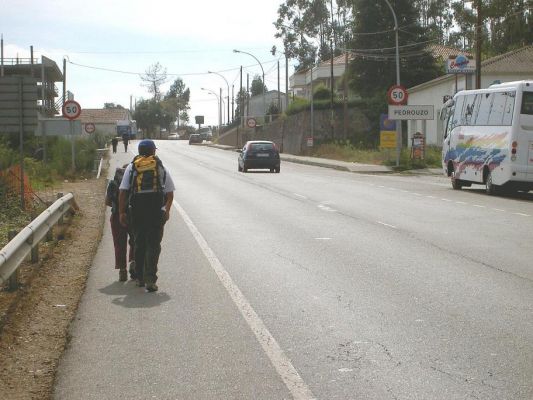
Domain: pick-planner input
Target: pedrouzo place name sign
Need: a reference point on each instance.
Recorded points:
(412, 112)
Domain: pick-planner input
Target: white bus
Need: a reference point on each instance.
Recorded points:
(488, 138)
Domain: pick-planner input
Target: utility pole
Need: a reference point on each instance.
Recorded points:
(64, 80)
(286, 80)
(241, 103)
(247, 95)
(279, 93)
(478, 43)
(232, 102)
(331, 122)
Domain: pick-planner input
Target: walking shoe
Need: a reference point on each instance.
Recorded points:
(122, 275)
(132, 270)
(140, 283)
(151, 287)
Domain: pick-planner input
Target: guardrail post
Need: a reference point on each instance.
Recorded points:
(60, 222)
(50, 234)
(13, 281)
(35, 248)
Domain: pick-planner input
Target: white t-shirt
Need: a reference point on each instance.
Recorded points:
(125, 183)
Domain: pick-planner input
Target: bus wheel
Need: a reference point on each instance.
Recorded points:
(457, 184)
(490, 187)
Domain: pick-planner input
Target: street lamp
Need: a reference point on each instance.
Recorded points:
(219, 107)
(263, 85)
(398, 125)
(223, 77)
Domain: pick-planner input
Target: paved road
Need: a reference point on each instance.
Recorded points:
(314, 283)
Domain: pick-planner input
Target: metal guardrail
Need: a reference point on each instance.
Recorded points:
(14, 253)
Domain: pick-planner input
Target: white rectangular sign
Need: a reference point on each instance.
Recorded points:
(411, 112)
(58, 127)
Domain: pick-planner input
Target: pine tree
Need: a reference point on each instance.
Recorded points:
(374, 67)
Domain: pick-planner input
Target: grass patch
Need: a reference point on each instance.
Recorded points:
(345, 151)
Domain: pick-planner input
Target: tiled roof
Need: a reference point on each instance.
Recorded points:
(339, 60)
(520, 60)
(444, 52)
(103, 115)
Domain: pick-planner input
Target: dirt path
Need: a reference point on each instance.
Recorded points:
(36, 318)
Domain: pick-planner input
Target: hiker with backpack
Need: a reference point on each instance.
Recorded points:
(119, 232)
(147, 191)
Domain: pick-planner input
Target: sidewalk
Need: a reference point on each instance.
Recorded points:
(343, 165)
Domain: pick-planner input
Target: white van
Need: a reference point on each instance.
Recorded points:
(488, 137)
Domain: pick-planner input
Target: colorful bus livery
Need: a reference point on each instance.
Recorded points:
(488, 138)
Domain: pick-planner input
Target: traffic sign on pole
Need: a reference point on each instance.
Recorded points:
(397, 95)
(71, 109)
(89, 127)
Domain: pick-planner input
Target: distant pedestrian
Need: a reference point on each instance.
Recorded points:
(148, 190)
(119, 232)
(125, 140)
(114, 143)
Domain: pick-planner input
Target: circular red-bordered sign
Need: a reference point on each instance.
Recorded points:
(71, 109)
(397, 95)
(251, 123)
(89, 127)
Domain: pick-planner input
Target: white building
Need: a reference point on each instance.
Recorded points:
(300, 82)
(257, 104)
(512, 66)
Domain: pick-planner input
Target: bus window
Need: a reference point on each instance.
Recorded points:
(458, 112)
(470, 109)
(509, 108)
(484, 109)
(497, 110)
(527, 103)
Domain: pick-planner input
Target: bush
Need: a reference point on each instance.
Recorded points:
(321, 92)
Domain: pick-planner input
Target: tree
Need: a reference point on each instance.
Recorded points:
(146, 114)
(258, 86)
(153, 78)
(374, 67)
(242, 96)
(180, 96)
(113, 106)
(311, 28)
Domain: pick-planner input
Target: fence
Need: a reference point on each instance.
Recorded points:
(27, 241)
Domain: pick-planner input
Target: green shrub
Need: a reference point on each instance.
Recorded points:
(321, 92)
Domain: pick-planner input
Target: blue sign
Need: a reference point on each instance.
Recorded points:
(386, 124)
(123, 130)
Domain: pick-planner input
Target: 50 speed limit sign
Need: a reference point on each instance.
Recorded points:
(397, 95)
(71, 109)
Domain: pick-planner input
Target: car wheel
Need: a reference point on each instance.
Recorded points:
(271, 169)
(277, 169)
(244, 169)
(239, 168)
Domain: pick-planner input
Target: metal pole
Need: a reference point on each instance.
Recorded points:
(232, 103)
(241, 102)
(2, 55)
(247, 95)
(263, 71)
(64, 80)
(398, 123)
(220, 113)
(478, 44)
(279, 92)
(73, 151)
(227, 84)
(286, 81)
(312, 108)
(21, 144)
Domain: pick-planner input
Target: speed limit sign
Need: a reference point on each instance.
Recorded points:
(71, 109)
(397, 95)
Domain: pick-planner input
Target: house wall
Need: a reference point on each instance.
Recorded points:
(433, 95)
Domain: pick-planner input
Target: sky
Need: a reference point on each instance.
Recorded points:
(187, 37)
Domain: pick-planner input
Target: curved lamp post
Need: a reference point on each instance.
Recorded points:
(219, 107)
(227, 84)
(262, 70)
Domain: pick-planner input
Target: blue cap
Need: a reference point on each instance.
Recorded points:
(145, 145)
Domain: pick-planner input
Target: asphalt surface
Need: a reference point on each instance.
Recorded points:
(314, 283)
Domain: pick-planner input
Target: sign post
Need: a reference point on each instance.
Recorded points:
(72, 110)
(397, 95)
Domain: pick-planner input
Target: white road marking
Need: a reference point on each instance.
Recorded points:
(445, 199)
(478, 206)
(300, 195)
(498, 209)
(324, 207)
(431, 197)
(460, 202)
(279, 360)
(389, 225)
(522, 215)
(417, 194)
(323, 238)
